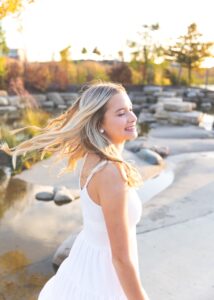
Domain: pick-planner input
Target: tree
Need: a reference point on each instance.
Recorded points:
(121, 55)
(3, 45)
(96, 51)
(65, 54)
(8, 7)
(120, 72)
(84, 50)
(145, 51)
(189, 51)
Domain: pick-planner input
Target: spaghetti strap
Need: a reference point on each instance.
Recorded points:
(81, 168)
(94, 170)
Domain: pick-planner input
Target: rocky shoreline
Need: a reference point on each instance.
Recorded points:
(152, 103)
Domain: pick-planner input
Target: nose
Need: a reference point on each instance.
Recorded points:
(132, 117)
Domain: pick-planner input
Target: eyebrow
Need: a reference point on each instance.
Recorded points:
(122, 108)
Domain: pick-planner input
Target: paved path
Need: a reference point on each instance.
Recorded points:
(175, 235)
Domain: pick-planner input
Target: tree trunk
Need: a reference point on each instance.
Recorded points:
(145, 65)
(179, 74)
(190, 74)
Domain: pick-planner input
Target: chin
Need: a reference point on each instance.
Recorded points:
(132, 137)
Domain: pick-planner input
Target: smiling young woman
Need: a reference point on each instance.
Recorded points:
(103, 262)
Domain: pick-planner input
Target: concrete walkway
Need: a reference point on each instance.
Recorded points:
(175, 235)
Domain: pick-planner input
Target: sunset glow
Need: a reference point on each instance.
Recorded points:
(48, 26)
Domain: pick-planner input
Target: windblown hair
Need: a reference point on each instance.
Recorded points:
(77, 131)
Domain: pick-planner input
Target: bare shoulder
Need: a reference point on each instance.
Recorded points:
(111, 185)
(110, 176)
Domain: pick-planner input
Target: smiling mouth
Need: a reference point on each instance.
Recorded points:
(131, 128)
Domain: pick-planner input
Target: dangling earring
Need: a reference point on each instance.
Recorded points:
(101, 130)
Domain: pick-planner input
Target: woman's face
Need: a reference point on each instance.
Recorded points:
(119, 122)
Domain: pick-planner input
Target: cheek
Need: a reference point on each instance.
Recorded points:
(117, 123)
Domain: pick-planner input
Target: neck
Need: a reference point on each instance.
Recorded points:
(120, 148)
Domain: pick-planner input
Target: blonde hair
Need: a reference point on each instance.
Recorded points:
(77, 131)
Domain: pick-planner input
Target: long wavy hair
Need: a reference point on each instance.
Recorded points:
(77, 131)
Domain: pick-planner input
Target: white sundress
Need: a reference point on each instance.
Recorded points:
(88, 273)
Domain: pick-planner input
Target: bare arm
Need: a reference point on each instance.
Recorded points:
(112, 192)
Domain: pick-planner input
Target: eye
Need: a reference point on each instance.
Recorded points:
(122, 114)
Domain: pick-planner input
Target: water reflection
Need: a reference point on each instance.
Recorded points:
(13, 196)
(30, 232)
(17, 280)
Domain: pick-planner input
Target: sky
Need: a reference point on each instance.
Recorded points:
(49, 26)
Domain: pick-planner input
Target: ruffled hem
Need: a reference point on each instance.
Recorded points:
(73, 292)
(86, 274)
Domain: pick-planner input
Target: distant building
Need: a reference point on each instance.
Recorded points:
(13, 53)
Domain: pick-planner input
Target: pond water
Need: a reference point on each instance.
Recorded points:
(30, 232)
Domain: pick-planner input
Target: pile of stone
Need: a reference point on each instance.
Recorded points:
(48, 101)
(173, 105)
(59, 194)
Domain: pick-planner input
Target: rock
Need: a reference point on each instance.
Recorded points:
(63, 250)
(5, 109)
(145, 117)
(3, 101)
(40, 98)
(150, 156)
(170, 99)
(180, 118)
(161, 114)
(14, 100)
(150, 89)
(55, 98)
(48, 104)
(193, 93)
(62, 106)
(137, 97)
(161, 150)
(137, 108)
(206, 106)
(47, 195)
(180, 107)
(62, 195)
(69, 97)
(177, 133)
(164, 94)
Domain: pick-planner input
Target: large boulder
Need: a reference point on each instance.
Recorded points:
(150, 89)
(14, 100)
(55, 98)
(40, 98)
(3, 101)
(64, 249)
(165, 94)
(180, 107)
(7, 109)
(170, 99)
(69, 97)
(137, 97)
(150, 156)
(179, 118)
